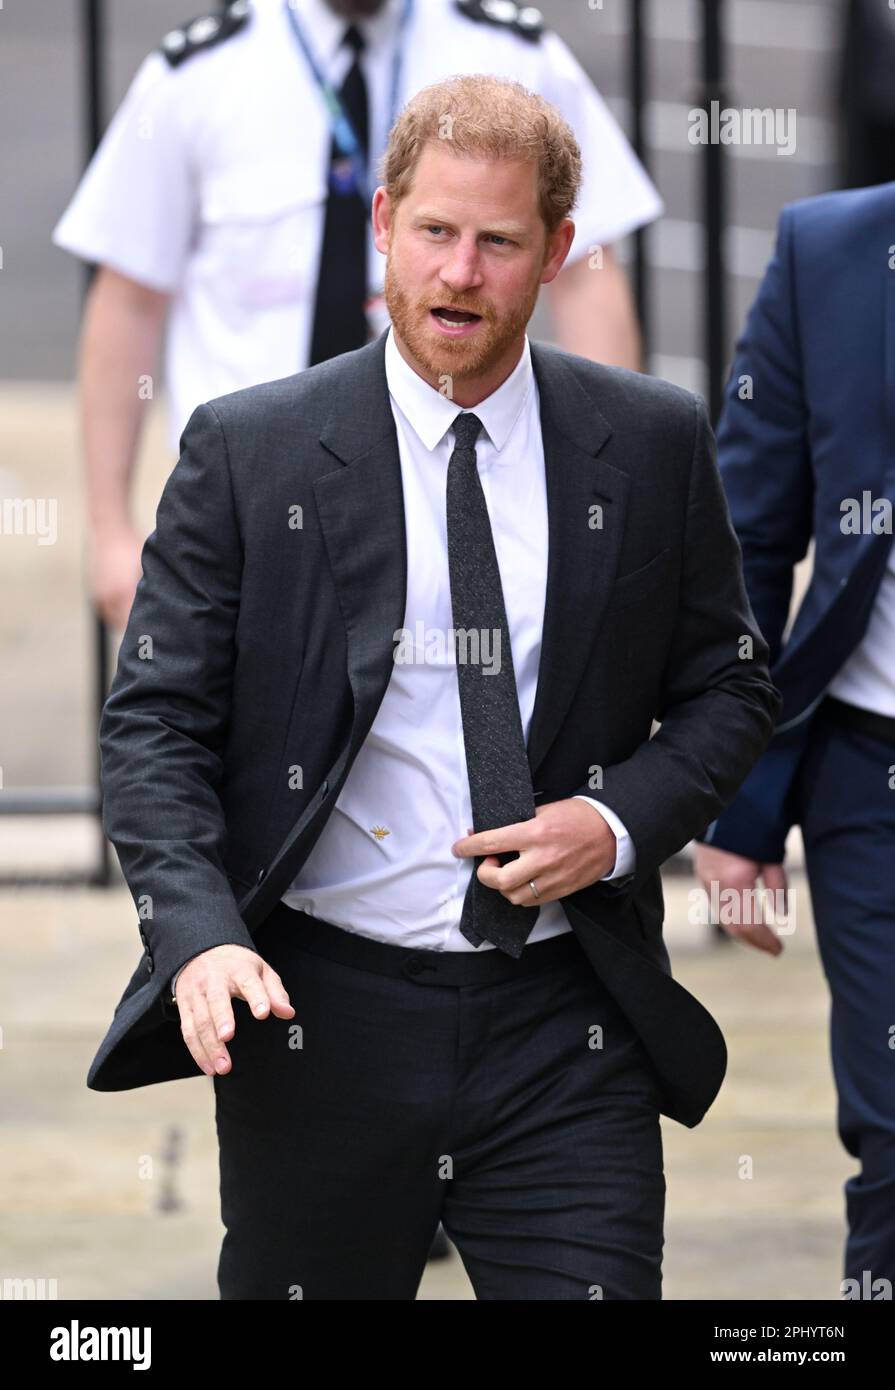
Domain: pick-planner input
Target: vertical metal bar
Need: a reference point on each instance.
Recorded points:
(714, 224)
(714, 191)
(94, 55)
(637, 85)
(94, 63)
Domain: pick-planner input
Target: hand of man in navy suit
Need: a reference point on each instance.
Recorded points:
(736, 875)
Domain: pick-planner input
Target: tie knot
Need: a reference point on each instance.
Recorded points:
(354, 38)
(466, 429)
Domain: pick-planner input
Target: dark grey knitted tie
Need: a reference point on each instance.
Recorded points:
(496, 760)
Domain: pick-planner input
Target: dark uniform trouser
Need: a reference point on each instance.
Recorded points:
(509, 1099)
(847, 814)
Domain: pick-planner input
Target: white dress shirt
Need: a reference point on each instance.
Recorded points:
(383, 865)
(868, 677)
(210, 183)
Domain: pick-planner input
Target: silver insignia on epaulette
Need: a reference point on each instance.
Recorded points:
(504, 11)
(174, 41)
(201, 30)
(530, 17)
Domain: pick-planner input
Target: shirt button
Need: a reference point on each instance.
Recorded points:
(261, 874)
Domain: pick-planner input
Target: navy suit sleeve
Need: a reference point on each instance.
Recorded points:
(765, 462)
(165, 720)
(763, 450)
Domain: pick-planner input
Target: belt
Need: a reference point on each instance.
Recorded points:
(427, 967)
(866, 721)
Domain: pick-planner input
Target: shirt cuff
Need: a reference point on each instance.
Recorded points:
(624, 846)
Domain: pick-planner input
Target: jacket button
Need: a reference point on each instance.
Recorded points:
(261, 874)
(325, 786)
(149, 965)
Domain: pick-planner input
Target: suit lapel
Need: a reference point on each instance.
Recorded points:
(361, 509)
(586, 515)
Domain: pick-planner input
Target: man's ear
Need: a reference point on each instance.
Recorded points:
(381, 217)
(557, 249)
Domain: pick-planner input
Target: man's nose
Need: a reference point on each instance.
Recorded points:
(461, 269)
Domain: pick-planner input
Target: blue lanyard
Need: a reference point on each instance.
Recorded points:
(343, 131)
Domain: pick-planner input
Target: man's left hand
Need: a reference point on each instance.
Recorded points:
(566, 846)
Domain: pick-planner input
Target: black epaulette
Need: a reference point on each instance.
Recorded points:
(524, 20)
(202, 33)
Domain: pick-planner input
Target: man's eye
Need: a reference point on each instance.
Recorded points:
(435, 227)
(504, 241)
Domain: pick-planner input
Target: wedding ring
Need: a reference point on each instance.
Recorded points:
(531, 884)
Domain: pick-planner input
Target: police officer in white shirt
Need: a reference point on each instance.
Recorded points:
(230, 195)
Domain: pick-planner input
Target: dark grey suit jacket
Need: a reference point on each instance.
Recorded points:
(260, 645)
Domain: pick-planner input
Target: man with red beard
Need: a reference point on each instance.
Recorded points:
(228, 205)
(386, 775)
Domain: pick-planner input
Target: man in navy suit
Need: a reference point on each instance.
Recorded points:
(807, 452)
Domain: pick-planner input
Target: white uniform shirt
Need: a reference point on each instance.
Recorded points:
(383, 866)
(211, 181)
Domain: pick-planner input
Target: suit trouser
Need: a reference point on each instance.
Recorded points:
(847, 813)
(509, 1099)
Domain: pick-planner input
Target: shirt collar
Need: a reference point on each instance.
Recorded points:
(324, 28)
(431, 414)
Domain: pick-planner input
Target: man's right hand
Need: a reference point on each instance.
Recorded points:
(204, 989)
(115, 568)
(734, 873)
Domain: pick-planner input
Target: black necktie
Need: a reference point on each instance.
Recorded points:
(340, 323)
(496, 760)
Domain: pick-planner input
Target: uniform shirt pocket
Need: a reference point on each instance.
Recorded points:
(259, 233)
